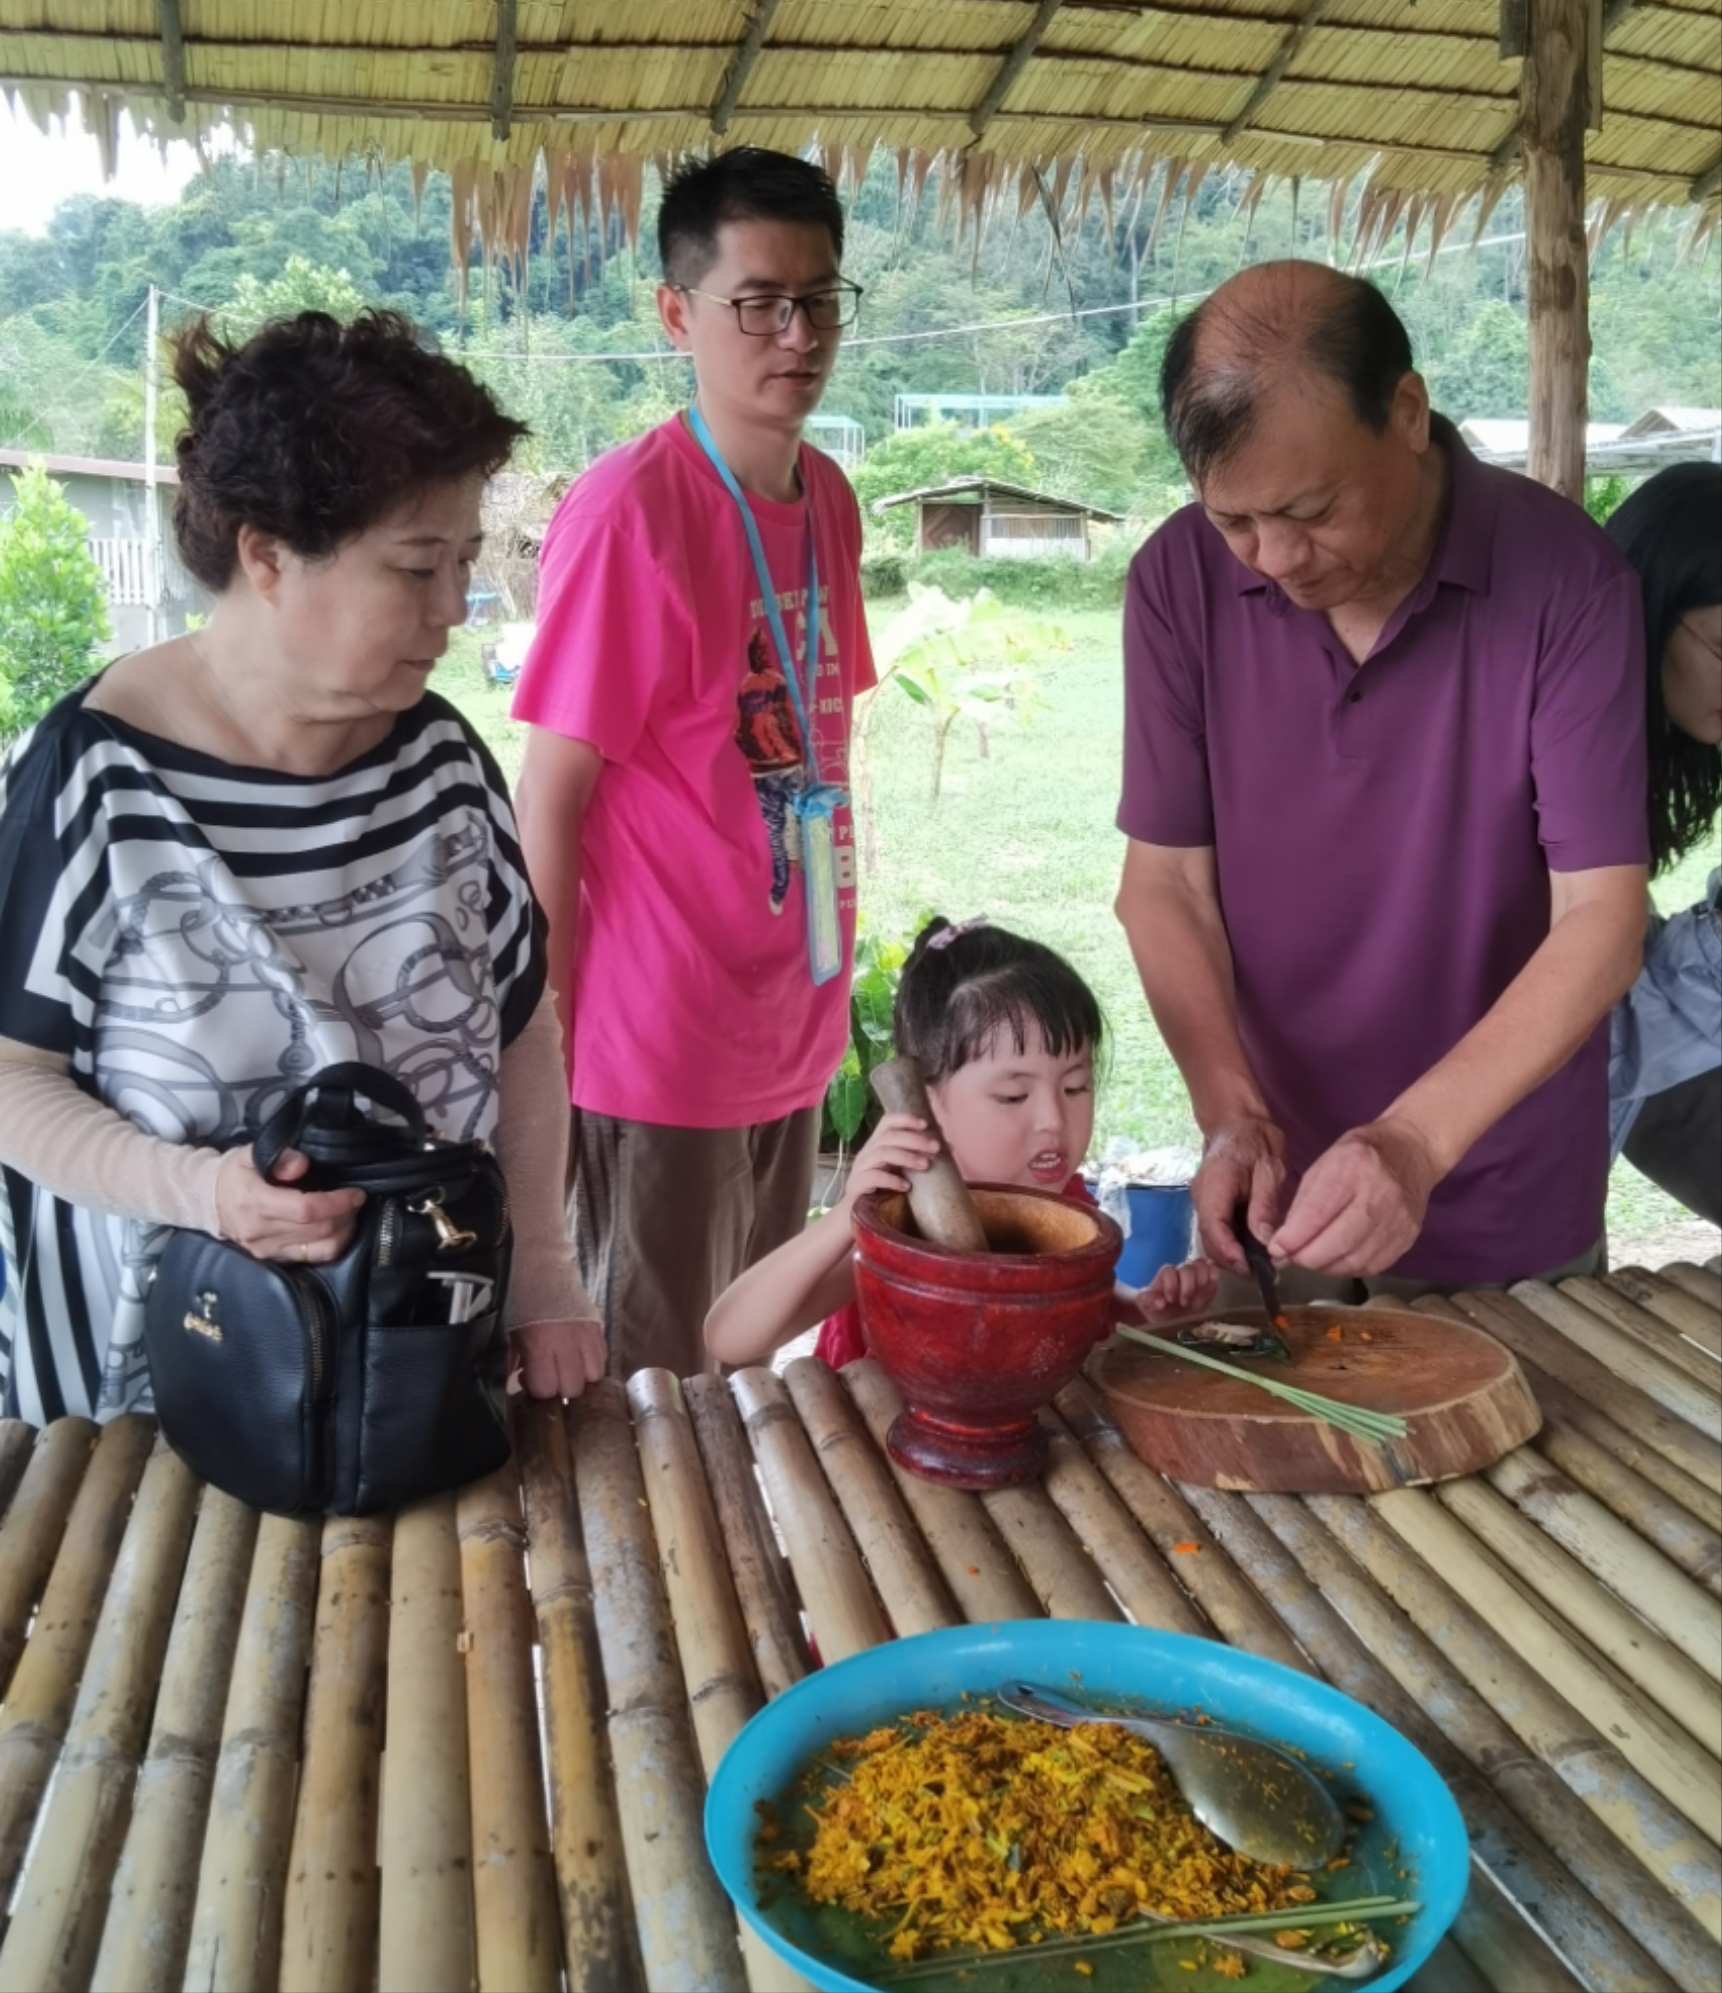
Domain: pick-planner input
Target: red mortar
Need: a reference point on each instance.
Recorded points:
(978, 1342)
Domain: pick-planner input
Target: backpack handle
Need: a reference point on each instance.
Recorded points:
(336, 1091)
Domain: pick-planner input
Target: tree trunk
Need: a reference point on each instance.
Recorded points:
(1554, 104)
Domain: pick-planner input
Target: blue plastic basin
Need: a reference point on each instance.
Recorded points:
(1415, 1843)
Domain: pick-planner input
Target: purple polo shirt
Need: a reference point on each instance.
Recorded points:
(1384, 833)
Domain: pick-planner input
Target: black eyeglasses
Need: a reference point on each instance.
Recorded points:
(769, 317)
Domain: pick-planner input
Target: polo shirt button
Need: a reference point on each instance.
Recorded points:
(1353, 695)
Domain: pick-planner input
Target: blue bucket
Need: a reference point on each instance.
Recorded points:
(1161, 1218)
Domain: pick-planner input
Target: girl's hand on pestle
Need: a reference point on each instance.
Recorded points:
(901, 1144)
(1174, 1290)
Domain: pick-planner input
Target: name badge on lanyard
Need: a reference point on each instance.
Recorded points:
(815, 803)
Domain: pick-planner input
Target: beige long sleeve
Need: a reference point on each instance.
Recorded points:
(532, 1146)
(85, 1152)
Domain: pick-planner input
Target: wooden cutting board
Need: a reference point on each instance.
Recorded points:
(1463, 1396)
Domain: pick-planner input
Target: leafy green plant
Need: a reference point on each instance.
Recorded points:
(964, 660)
(53, 603)
(1603, 494)
(851, 1112)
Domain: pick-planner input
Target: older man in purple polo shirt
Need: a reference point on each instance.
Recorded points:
(1384, 788)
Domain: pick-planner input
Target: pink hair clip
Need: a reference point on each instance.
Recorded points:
(946, 935)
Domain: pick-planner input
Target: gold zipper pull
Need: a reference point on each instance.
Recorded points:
(449, 1236)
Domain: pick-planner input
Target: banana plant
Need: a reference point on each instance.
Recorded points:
(964, 658)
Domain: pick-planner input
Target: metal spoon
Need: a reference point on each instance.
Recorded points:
(1256, 1798)
(1363, 1961)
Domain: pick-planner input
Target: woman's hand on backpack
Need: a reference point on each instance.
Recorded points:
(275, 1221)
(555, 1359)
(899, 1146)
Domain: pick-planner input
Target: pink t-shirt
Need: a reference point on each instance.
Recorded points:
(694, 1004)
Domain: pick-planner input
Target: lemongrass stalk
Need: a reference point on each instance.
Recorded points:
(1308, 1917)
(1361, 1423)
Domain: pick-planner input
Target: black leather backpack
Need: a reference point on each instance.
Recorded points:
(365, 1383)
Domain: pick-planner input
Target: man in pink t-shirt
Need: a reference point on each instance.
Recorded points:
(688, 750)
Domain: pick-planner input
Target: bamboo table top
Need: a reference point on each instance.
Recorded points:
(468, 1744)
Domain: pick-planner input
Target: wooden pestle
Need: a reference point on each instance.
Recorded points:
(938, 1196)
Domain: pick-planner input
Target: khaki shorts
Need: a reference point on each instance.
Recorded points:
(663, 1220)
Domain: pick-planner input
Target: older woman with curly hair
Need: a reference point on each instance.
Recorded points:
(264, 847)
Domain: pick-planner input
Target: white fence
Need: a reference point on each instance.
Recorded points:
(127, 569)
(1028, 536)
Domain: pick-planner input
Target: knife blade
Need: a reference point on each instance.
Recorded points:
(1259, 1262)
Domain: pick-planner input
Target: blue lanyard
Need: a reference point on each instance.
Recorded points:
(825, 795)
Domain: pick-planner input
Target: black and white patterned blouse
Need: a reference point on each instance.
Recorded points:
(196, 939)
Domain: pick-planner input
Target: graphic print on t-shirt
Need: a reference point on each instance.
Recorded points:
(768, 734)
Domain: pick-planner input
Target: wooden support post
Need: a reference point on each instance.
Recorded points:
(1554, 106)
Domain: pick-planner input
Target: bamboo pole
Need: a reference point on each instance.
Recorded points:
(1657, 1752)
(50, 1944)
(904, 1572)
(585, 1834)
(1554, 106)
(1676, 1532)
(1527, 1335)
(711, 1638)
(1696, 1315)
(1052, 1559)
(1626, 1891)
(236, 1919)
(1661, 1594)
(329, 1916)
(1447, 1970)
(1108, 1533)
(1177, 1532)
(1676, 1684)
(1527, 1871)
(35, 1524)
(1672, 1482)
(1701, 1284)
(979, 1570)
(149, 1918)
(516, 1919)
(17, 1442)
(829, 1574)
(1586, 1322)
(768, 1604)
(425, 1939)
(686, 1927)
(40, 1695)
(1646, 1330)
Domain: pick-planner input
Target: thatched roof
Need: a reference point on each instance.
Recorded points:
(1412, 96)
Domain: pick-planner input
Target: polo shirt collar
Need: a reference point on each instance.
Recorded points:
(1464, 553)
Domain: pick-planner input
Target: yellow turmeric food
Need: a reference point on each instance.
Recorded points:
(977, 1829)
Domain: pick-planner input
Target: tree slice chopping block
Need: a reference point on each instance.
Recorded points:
(1462, 1395)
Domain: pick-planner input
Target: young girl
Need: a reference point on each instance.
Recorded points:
(1006, 1033)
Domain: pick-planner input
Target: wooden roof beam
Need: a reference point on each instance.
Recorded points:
(1515, 29)
(1709, 182)
(1270, 77)
(172, 58)
(502, 76)
(746, 55)
(1012, 66)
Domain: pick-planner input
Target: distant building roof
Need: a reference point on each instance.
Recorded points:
(1672, 421)
(110, 467)
(1510, 435)
(962, 489)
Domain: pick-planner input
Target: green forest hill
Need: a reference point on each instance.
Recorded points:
(567, 338)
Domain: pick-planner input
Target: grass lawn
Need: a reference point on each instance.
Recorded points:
(1023, 833)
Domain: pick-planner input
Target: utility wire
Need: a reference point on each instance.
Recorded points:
(980, 325)
(62, 405)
